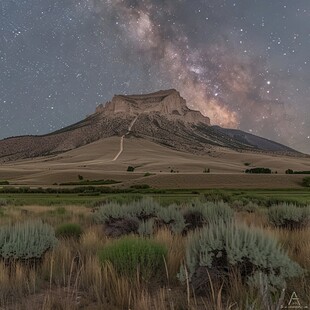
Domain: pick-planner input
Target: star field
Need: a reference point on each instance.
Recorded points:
(245, 64)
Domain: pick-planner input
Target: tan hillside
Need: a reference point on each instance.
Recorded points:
(95, 161)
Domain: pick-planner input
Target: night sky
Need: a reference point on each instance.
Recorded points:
(245, 63)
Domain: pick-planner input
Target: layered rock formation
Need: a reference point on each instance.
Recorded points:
(168, 104)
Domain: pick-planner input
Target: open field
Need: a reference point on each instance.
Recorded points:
(170, 168)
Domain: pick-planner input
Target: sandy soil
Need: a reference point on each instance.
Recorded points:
(95, 161)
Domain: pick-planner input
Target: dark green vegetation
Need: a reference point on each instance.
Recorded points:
(4, 182)
(290, 171)
(83, 195)
(258, 170)
(130, 169)
(306, 182)
(90, 182)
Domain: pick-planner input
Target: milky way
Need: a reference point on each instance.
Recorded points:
(245, 64)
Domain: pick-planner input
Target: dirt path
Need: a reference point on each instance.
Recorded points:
(122, 139)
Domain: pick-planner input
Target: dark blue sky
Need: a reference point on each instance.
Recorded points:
(243, 63)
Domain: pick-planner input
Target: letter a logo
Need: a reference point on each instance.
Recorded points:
(294, 301)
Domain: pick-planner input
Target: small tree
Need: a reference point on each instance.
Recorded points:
(131, 169)
(81, 178)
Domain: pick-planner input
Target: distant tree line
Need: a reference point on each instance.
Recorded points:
(290, 171)
(258, 170)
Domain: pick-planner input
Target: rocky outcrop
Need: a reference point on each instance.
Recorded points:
(168, 103)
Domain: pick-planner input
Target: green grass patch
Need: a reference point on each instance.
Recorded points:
(71, 196)
(131, 255)
(69, 230)
(90, 182)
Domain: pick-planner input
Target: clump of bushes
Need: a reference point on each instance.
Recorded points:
(147, 174)
(131, 255)
(172, 218)
(258, 170)
(219, 248)
(245, 206)
(306, 182)
(24, 241)
(144, 208)
(290, 171)
(116, 219)
(217, 195)
(130, 169)
(124, 219)
(69, 230)
(110, 211)
(136, 217)
(289, 216)
(4, 182)
(200, 214)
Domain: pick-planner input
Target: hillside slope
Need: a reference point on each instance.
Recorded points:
(161, 117)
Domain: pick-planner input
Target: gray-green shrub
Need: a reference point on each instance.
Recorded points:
(146, 228)
(211, 212)
(214, 212)
(223, 246)
(289, 216)
(144, 208)
(172, 217)
(26, 240)
(111, 211)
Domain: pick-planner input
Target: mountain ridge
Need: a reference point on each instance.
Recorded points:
(161, 117)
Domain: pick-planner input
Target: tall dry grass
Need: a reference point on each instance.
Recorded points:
(71, 276)
(176, 252)
(16, 282)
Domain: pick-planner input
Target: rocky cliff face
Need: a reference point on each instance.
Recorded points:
(168, 104)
